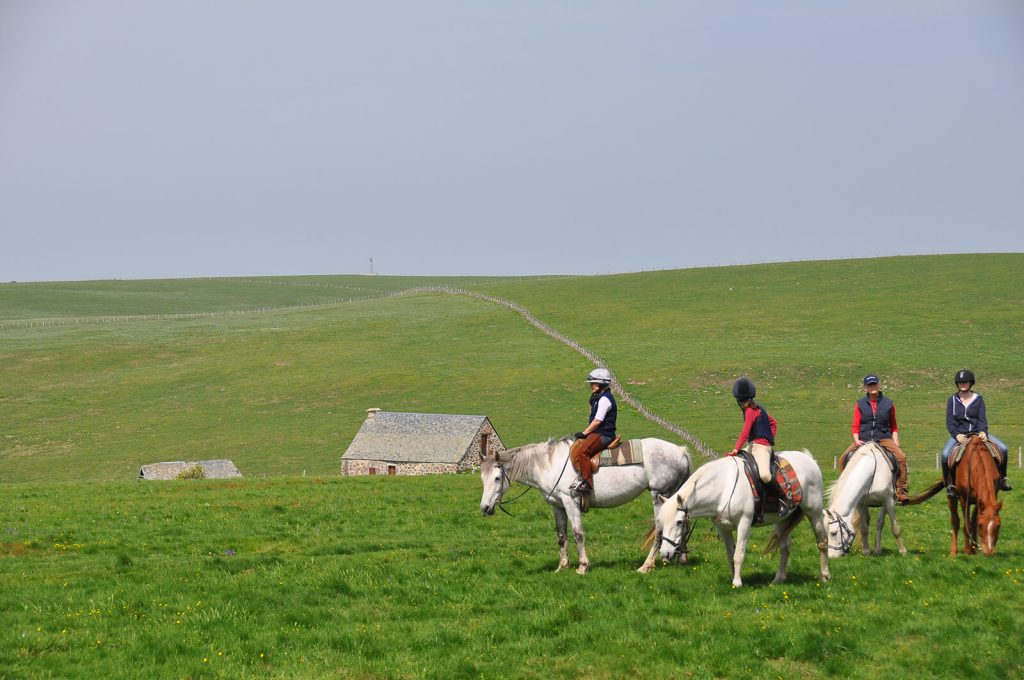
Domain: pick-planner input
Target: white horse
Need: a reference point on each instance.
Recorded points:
(546, 467)
(865, 483)
(720, 490)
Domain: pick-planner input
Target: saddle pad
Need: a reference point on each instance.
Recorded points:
(786, 478)
(629, 452)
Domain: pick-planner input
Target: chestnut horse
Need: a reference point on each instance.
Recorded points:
(977, 485)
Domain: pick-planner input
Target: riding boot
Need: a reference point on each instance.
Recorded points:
(1004, 483)
(949, 481)
(901, 482)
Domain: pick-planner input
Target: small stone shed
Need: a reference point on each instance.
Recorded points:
(213, 469)
(418, 444)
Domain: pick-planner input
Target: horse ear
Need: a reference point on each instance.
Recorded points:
(998, 506)
(662, 499)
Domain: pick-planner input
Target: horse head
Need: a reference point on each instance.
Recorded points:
(675, 524)
(840, 535)
(496, 482)
(988, 525)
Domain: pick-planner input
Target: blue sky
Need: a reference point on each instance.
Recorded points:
(188, 138)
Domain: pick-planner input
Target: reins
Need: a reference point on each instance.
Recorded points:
(503, 502)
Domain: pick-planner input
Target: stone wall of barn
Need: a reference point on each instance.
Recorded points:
(384, 467)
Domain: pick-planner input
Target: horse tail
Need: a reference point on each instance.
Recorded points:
(928, 493)
(649, 536)
(783, 529)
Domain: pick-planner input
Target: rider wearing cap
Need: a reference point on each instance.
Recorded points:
(758, 434)
(965, 416)
(874, 420)
(600, 431)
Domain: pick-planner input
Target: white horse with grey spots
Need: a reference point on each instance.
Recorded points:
(546, 467)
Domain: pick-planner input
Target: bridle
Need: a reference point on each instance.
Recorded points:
(679, 548)
(845, 532)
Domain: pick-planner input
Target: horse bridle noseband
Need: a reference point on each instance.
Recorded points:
(845, 532)
(680, 548)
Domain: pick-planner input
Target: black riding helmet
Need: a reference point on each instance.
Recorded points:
(743, 389)
(964, 376)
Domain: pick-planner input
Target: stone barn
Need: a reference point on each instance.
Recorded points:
(391, 443)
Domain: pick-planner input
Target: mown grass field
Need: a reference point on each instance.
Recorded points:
(326, 576)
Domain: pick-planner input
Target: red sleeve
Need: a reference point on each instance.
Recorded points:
(771, 421)
(892, 420)
(856, 420)
(749, 416)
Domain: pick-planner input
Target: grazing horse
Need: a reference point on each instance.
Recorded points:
(546, 467)
(977, 488)
(865, 483)
(720, 489)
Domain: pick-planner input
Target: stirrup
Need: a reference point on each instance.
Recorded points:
(951, 492)
(784, 508)
(1004, 485)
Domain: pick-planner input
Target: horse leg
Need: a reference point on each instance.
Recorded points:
(648, 564)
(577, 533)
(897, 532)
(742, 534)
(728, 542)
(785, 546)
(817, 520)
(879, 525)
(971, 531)
(954, 521)
(863, 522)
(561, 528)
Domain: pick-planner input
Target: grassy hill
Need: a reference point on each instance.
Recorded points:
(326, 576)
(283, 391)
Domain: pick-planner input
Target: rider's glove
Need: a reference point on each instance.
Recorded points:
(580, 435)
(983, 436)
(961, 438)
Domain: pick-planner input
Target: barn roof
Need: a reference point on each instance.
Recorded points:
(415, 437)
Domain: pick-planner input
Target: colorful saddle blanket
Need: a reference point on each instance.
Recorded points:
(785, 479)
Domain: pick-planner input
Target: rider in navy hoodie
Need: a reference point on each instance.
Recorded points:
(965, 415)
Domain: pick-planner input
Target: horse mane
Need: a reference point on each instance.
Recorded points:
(836, 487)
(978, 466)
(519, 458)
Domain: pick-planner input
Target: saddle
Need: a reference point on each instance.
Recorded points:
(604, 456)
(785, 479)
(958, 452)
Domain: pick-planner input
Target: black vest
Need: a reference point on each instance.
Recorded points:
(607, 426)
(878, 424)
(762, 427)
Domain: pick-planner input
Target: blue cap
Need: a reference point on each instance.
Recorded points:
(871, 378)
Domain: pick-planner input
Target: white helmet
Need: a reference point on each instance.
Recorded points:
(601, 376)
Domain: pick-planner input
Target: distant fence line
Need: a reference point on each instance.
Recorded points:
(617, 388)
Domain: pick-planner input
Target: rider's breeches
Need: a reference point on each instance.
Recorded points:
(581, 454)
(951, 442)
(763, 457)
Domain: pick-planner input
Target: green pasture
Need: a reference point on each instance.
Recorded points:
(401, 577)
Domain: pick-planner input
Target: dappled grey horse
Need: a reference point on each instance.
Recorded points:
(546, 467)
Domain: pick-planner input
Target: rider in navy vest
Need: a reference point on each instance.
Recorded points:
(965, 415)
(874, 420)
(758, 436)
(599, 432)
